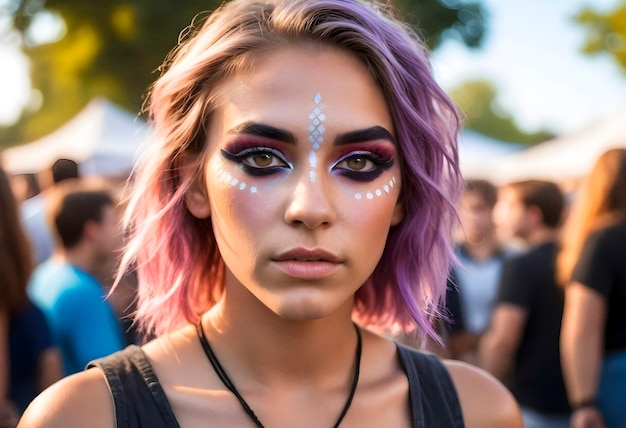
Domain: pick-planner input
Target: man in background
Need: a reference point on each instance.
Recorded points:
(473, 284)
(87, 235)
(521, 347)
(32, 210)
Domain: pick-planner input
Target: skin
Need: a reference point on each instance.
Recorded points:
(476, 217)
(283, 328)
(479, 240)
(582, 344)
(510, 216)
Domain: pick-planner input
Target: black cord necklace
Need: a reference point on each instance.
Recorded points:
(221, 373)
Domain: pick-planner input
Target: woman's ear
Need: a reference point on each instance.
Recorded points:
(398, 213)
(196, 196)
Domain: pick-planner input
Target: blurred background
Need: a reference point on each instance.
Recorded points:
(531, 78)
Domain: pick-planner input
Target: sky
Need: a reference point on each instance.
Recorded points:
(531, 53)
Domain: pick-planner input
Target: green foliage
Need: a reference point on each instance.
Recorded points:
(112, 48)
(477, 101)
(606, 32)
(438, 19)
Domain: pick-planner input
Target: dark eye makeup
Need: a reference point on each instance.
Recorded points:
(258, 160)
(364, 163)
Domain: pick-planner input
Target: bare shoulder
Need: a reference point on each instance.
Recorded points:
(79, 400)
(484, 400)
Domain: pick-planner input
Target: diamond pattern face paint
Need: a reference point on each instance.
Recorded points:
(315, 137)
(316, 129)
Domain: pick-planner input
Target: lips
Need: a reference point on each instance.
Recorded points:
(301, 254)
(303, 263)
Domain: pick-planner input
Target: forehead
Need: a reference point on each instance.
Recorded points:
(280, 86)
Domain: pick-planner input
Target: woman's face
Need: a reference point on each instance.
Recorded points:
(302, 180)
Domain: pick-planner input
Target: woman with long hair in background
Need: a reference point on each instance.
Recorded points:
(29, 362)
(592, 264)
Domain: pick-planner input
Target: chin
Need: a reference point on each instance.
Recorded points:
(306, 308)
(301, 312)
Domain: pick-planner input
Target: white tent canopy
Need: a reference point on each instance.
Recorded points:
(475, 149)
(563, 158)
(102, 138)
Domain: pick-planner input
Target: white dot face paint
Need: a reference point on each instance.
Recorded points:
(226, 177)
(316, 129)
(253, 158)
(373, 194)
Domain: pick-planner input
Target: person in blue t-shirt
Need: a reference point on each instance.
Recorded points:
(87, 232)
(29, 362)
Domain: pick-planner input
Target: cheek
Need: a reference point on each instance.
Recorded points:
(239, 209)
(240, 217)
(379, 190)
(373, 217)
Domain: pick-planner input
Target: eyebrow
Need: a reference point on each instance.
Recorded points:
(263, 130)
(363, 135)
(372, 133)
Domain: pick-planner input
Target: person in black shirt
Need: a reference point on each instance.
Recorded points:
(592, 264)
(522, 343)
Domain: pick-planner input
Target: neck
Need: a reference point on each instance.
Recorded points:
(79, 256)
(482, 249)
(541, 236)
(268, 346)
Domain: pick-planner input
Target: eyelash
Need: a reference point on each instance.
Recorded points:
(380, 164)
(245, 159)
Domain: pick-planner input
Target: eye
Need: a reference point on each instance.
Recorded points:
(362, 166)
(263, 159)
(357, 163)
(258, 160)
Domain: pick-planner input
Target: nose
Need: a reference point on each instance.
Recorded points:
(310, 205)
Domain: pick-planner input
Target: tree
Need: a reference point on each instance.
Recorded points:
(112, 47)
(439, 19)
(606, 32)
(479, 107)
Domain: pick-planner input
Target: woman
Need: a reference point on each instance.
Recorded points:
(29, 362)
(301, 180)
(591, 262)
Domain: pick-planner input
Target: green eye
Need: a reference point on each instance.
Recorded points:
(357, 163)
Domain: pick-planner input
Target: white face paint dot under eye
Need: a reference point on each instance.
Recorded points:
(226, 177)
(370, 195)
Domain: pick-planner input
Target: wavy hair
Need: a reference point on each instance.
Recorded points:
(600, 202)
(16, 256)
(179, 267)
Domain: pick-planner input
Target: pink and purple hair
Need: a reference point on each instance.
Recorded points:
(178, 263)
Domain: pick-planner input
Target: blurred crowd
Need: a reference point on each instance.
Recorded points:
(537, 294)
(534, 299)
(60, 236)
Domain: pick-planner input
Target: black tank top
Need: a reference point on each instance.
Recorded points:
(139, 399)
